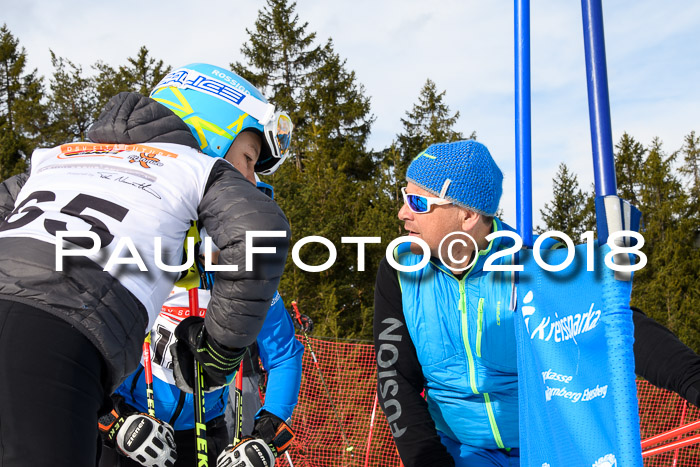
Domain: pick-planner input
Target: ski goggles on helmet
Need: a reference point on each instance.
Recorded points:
(421, 204)
(278, 136)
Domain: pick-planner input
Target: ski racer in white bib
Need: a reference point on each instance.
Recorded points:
(73, 313)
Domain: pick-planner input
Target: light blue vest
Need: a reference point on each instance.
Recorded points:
(464, 336)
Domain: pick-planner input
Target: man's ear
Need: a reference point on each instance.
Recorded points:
(469, 219)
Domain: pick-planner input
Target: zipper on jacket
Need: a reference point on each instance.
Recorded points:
(467, 346)
(492, 421)
(479, 327)
(465, 336)
(472, 373)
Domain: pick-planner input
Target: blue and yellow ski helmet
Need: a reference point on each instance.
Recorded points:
(217, 105)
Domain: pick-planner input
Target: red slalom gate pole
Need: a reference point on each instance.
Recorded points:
(670, 434)
(238, 405)
(671, 446)
(371, 428)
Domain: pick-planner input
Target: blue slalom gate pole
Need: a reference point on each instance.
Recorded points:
(523, 129)
(594, 408)
(612, 216)
(598, 99)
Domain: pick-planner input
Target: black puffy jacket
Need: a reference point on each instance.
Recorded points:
(96, 303)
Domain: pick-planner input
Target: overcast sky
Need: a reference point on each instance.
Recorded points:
(465, 46)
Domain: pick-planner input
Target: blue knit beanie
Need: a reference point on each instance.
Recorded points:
(475, 181)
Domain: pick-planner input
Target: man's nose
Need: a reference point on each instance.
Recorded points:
(405, 213)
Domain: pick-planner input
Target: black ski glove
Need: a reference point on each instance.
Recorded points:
(274, 431)
(306, 324)
(219, 364)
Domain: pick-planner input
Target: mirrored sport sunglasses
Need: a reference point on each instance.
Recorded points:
(421, 204)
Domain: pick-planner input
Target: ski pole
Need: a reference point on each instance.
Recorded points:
(200, 427)
(148, 372)
(238, 406)
(348, 447)
(289, 459)
(191, 281)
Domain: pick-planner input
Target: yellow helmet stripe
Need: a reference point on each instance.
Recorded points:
(183, 105)
(199, 124)
(238, 123)
(182, 109)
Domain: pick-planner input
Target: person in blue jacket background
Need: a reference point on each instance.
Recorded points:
(281, 355)
(258, 360)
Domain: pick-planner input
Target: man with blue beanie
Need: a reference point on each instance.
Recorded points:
(443, 332)
(447, 328)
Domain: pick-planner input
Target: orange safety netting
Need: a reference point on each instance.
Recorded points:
(661, 411)
(349, 374)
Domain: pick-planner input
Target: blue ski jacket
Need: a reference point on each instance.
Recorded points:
(280, 353)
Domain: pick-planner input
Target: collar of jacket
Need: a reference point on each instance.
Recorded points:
(130, 118)
(496, 244)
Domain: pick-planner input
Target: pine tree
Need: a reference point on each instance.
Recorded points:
(279, 53)
(330, 189)
(339, 117)
(589, 214)
(660, 194)
(691, 171)
(329, 196)
(108, 83)
(22, 114)
(661, 287)
(280, 59)
(73, 102)
(388, 182)
(429, 122)
(682, 277)
(628, 167)
(143, 72)
(140, 75)
(568, 211)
